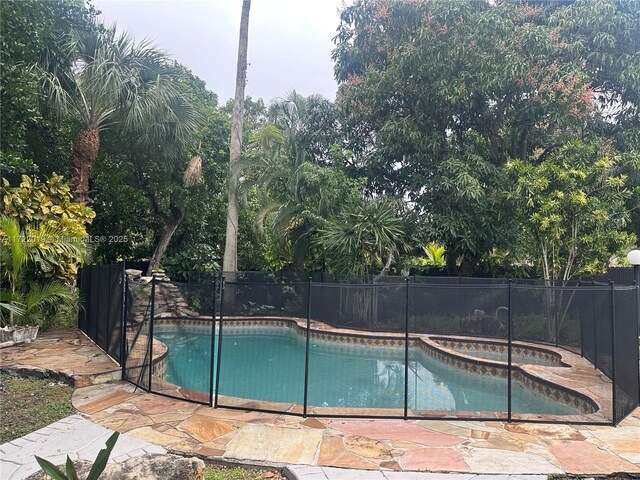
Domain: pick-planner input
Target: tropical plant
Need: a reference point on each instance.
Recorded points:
(433, 256)
(230, 260)
(69, 472)
(368, 236)
(54, 224)
(110, 79)
(30, 302)
(573, 209)
(298, 194)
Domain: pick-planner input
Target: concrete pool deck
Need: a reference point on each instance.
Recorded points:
(243, 437)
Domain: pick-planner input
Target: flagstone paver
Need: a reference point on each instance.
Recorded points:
(589, 459)
(334, 453)
(375, 445)
(67, 355)
(274, 444)
(428, 458)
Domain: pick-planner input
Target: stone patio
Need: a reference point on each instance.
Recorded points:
(269, 439)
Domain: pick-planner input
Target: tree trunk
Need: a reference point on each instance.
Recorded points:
(85, 152)
(171, 224)
(230, 260)
(467, 268)
(452, 268)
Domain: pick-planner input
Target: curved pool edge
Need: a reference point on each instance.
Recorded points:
(572, 384)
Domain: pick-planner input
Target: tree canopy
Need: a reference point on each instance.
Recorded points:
(493, 136)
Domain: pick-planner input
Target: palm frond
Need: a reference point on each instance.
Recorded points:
(12, 243)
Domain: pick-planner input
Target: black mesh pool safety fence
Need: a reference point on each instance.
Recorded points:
(402, 348)
(101, 302)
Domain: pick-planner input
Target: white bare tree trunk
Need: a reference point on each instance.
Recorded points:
(230, 260)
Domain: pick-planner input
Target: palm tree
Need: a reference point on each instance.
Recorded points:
(363, 237)
(18, 250)
(297, 194)
(230, 260)
(109, 80)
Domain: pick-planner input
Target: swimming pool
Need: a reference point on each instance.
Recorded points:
(269, 365)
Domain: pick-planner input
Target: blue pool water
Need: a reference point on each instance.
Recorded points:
(269, 366)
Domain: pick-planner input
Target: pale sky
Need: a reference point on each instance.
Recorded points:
(289, 40)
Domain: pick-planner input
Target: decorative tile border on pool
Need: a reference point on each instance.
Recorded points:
(502, 347)
(496, 368)
(434, 346)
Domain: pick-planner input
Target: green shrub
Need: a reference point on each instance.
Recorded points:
(47, 216)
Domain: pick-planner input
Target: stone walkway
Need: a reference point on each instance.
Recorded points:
(378, 445)
(302, 472)
(68, 356)
(74, 436)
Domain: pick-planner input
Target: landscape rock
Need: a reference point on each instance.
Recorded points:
(148, 467)
(133, 273)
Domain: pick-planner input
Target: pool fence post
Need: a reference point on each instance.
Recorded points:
(595, 331)
(306, 359)
(406, 350)
(150, 340)
(215, 402)
(123, 321)
(579, 284)
(213, 339)
(613, 352)
(509, 349)
(637, 285)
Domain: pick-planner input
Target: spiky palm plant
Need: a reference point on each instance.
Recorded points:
(110, 79)
(365, 236)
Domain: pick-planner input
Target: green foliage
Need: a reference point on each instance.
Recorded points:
(25, 301)
(433, 256)
(574, 209)
(148, 195)
(363, 238)
(117, 79)
(69, 473)
(32, 29)
(437, 96)
(54, 226)
(194, 258)
(287, 162)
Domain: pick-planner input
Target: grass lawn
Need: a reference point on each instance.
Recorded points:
(214, 472)
(27, 404)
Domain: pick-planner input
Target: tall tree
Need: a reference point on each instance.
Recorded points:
(32, 142)
(111, 79)
(441, 94)
(573, 209)
(230, 261)
(154, 158)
